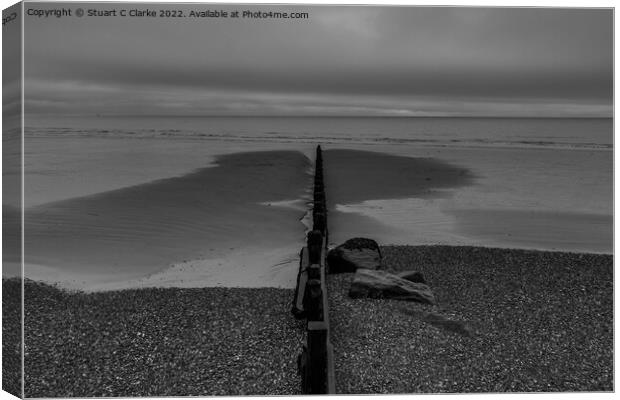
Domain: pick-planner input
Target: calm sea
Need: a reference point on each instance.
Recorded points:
(514, 132)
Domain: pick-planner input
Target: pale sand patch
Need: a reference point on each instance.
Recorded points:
(421, 221)
(247, 267)
(406, 221)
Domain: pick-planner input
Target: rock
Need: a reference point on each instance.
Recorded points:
(412, 276)
(353, 254)
(382, 284)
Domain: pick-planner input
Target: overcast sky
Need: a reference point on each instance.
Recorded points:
(340, 61)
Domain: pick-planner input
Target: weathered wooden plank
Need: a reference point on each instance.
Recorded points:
(302, 279)
(317, 358)
(315, 243)
(313, 302)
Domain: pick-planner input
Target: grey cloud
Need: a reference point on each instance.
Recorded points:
(467, 54)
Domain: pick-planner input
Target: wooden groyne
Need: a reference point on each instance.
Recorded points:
(316, 362)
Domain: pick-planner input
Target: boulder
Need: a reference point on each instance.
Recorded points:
(353, 254)
(384, 285)
(412, 276)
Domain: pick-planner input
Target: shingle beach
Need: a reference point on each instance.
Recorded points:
(160, 342)
(505, 320)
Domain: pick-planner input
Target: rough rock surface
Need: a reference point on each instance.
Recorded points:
(384, 285)
(353, 254)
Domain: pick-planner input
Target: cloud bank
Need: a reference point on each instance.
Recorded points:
(342, 60)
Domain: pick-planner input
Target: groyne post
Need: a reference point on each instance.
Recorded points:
(316, 364)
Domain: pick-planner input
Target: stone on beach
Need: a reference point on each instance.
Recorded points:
(382, 284)
(356, 253)
(412, 276)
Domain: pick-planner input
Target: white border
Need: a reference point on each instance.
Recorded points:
(474, 3)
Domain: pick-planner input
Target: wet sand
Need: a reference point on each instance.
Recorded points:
(62, 168)
(106, 239)
(234, 224)
(237, 222)
(422, 199)
(354, 176)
